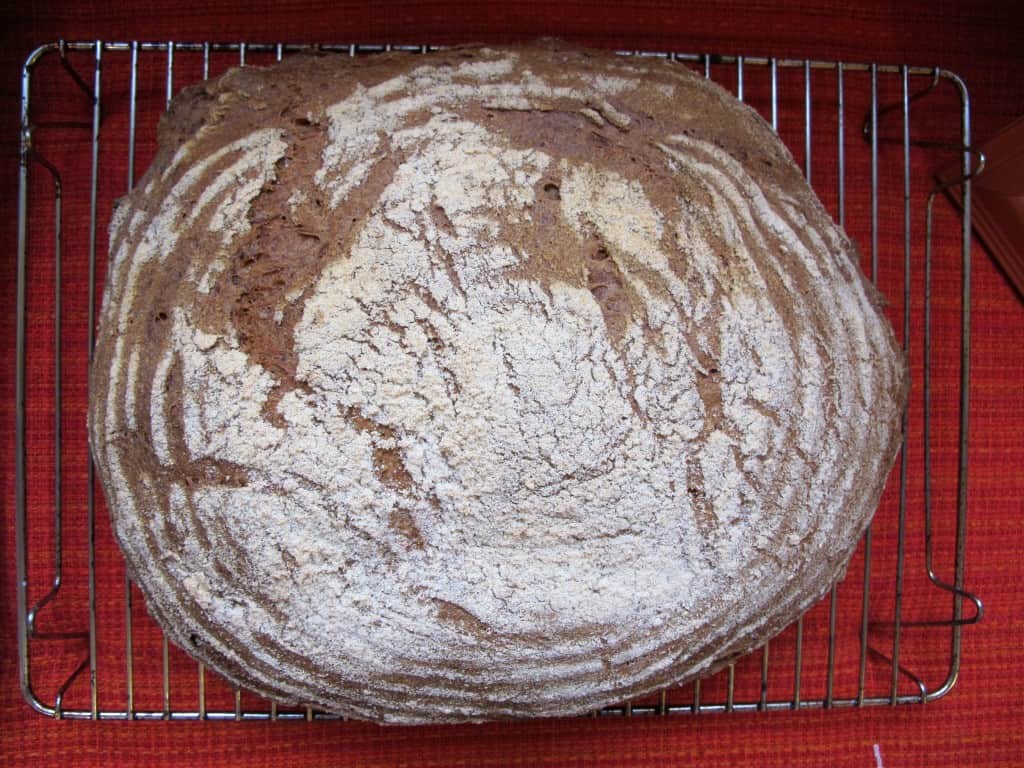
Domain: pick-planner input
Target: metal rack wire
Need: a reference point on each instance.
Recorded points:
(867, 661)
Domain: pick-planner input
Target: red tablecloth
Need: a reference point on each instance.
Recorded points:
(979, 723)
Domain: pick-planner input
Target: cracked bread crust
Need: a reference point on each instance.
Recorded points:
(487, 383)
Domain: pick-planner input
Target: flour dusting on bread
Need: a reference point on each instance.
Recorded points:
(485, 383)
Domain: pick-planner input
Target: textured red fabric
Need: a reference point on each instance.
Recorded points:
(979, 723)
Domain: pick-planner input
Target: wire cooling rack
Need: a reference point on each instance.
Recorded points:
(890, 633)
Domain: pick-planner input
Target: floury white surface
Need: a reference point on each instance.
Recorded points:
(498, 479)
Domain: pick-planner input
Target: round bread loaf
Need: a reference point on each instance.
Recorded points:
(485, 383)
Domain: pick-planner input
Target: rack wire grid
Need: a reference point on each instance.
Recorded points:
(889, 633)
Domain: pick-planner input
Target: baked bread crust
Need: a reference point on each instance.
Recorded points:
(487, 383)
